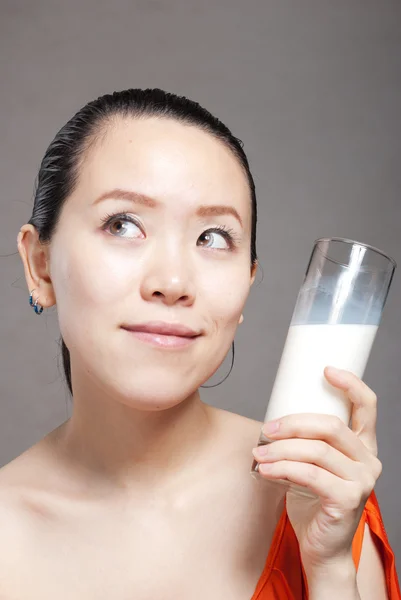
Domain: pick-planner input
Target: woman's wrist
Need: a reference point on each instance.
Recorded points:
(332, 581)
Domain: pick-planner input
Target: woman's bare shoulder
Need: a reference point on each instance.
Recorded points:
(14, 526)
(22, 480)
(244, 429)
(22, 490)
(25, 467)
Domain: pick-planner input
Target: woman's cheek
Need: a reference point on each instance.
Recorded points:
(103, 277)
(226, 298)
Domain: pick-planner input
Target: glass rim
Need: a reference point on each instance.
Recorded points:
(349, 241)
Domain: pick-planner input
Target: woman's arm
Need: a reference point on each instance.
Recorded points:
(344, 582)
(371, 577)
(338, 581)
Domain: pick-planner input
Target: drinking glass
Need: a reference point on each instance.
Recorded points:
(335, 321)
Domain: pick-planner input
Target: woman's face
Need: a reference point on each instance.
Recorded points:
(160, 258)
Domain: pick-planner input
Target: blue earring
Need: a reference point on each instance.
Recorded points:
(37, 307)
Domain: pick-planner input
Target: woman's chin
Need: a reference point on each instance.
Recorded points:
(153, 397)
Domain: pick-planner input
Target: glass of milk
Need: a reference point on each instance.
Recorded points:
(335, 321)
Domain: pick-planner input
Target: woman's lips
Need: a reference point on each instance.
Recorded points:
(161, 340)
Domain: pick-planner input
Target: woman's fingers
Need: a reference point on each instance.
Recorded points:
(321, 452)
(314, 452)
(327, 428)
(329, 487)
(364, 405)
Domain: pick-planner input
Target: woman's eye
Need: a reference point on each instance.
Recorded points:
(217, 238)
(120, 225)
(124, 226)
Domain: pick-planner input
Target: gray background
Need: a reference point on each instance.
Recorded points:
(313, 89)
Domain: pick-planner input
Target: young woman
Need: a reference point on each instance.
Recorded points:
(143, 234)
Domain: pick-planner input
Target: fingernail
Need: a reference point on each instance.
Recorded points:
(271, 427)
(260, 450)
(338, 373)
(266, 467)
(334, 370)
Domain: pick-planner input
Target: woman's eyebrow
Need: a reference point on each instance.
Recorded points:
(128, 195)
(206, 210)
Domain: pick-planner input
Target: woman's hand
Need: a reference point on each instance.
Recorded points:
(336, 463)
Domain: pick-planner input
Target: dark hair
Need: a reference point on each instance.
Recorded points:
(59, 169)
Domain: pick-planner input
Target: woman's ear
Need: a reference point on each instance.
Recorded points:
(241, 319)
(35, 258)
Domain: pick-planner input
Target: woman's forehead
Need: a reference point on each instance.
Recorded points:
(163, 155)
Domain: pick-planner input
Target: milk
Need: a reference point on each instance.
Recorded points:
(300, 385)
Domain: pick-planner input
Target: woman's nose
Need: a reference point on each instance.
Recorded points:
(170, 282)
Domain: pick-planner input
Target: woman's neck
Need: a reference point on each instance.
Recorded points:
(125, 449)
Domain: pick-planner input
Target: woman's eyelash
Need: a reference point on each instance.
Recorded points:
(229, 234)
(109, 218)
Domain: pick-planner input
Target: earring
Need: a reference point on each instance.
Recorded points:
(231, 368)
(37, 307)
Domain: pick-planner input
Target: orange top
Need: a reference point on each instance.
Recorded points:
(283, 577)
